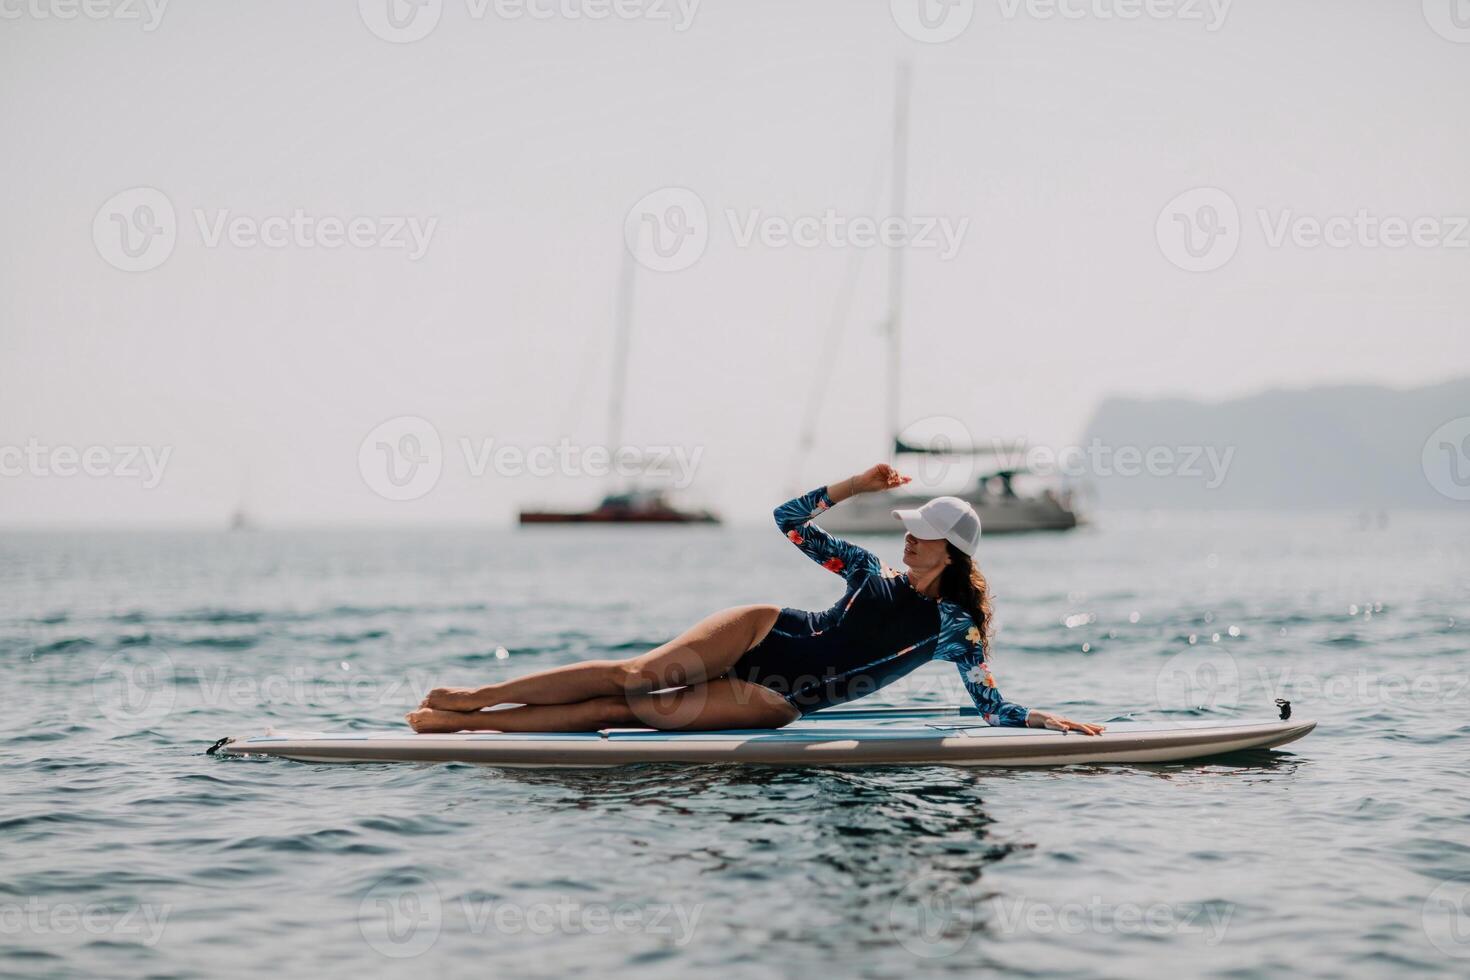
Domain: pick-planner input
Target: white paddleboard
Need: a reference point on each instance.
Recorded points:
(863, 737)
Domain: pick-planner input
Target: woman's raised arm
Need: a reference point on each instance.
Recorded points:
(843, 557)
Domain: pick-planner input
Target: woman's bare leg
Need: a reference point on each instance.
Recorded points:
(703, 652)
(720, 704)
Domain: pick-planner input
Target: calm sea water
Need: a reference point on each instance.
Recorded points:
(126, 851)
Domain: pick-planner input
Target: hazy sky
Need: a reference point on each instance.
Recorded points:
(516, 146)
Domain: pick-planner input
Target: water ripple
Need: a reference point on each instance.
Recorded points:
(1338, 857)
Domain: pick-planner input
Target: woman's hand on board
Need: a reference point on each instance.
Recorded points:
(1045, 719)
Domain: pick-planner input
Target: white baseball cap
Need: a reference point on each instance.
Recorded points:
(949, 518)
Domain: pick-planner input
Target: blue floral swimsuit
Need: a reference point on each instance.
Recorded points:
(880, 630)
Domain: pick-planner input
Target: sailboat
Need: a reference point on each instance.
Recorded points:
(632, 505)
(240, 518)
(993, 493)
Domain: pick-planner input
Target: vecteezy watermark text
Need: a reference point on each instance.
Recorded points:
(136, 230)
(669, 229)
(148, 12)
(123, 462)
(402, 917)
(404, 457)
(1098, 917)
(1206, 675)
(938, 21)
(934, 915)
(1208, 464)
(301, 230)
(566, 458)
(1210, 13)
(830, 229)
(1201, 230)
(33, 918)
(1362, 229)
(407, 21)
(139, 688)
(679, 14)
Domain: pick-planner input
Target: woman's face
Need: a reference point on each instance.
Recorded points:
(924, 556)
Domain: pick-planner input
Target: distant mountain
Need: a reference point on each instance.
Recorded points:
(1351, 446)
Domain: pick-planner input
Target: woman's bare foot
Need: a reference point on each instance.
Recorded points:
(456, 699)
(426, 720)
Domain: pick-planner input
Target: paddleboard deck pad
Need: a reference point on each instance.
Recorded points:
(865, 737)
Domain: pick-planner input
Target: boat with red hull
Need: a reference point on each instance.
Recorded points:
(637, 507)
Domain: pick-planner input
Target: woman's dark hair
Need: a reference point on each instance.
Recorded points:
(962, 583)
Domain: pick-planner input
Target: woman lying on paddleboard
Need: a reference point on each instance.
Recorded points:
(764, 666)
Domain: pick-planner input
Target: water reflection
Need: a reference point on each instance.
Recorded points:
(830, 857)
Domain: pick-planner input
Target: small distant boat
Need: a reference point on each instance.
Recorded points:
(635, 505)
(240, 521)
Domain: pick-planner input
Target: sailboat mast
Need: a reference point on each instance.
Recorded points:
(897, 254)
(623, 328)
